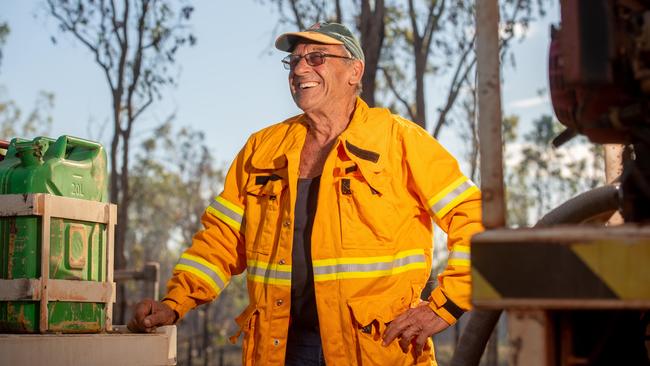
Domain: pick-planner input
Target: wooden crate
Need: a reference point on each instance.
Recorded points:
(45, 289)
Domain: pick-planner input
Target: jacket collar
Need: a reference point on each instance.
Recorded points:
(365, 140)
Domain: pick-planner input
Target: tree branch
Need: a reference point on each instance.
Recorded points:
(296, 14)
(391, 86)
(460, 74)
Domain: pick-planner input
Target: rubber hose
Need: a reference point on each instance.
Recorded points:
(481, 323)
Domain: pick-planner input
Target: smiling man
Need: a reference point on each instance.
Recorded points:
(331, 214)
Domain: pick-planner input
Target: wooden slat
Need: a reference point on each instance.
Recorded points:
(77, 209)
(110, 255)
(19, 289)
(45, 269)
(125, 349)
(81, 291)
(21, 204)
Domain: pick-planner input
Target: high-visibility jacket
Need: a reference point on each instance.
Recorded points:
(382, 184)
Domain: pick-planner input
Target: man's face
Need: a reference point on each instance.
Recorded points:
(323, 87)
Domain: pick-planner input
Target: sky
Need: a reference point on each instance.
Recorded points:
(230, 85)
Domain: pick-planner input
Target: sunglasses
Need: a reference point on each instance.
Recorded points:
(312, 59)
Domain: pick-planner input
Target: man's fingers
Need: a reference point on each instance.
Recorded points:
(142, 309)
(160, 316)
(394, 329)
(419, 343)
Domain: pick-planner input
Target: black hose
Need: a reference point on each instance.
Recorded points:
(585, 207)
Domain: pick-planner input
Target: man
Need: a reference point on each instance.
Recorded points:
(329, 212)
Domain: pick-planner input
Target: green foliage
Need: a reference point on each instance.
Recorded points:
(37, 122)
(540, 177)
(4, 33)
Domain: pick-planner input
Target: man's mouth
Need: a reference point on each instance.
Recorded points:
(308, 84)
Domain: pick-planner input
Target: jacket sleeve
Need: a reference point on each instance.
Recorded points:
(454, 203)
(218, 251)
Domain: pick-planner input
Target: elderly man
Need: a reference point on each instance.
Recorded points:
(330, 213)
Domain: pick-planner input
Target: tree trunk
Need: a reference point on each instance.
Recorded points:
(372, 29)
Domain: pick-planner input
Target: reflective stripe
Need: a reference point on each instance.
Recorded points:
(460, 256)
(451, 196)
(368, 267)
(275, 274)
(227, 211)
(204, 270)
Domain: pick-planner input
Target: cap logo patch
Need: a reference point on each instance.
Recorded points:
(315, 26)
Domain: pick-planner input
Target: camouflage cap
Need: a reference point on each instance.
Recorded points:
(325, 33)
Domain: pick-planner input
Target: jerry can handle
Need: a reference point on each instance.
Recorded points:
(64, 141)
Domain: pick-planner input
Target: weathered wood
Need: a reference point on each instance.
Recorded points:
(106, 349)
(46, 289)
(57, 206)
(45, 271)
(19, 289)
(21, 204)
(81, 291)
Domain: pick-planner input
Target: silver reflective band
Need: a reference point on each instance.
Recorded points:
(459, 255)
(268, 273)
(444, 201)
(227, 211)
(368, 267)
(207, 271)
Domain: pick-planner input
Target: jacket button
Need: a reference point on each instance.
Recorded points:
(279, 302)
(276, 342)
(286, 223)
(282, 261)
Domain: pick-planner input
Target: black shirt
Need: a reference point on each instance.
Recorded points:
(304, 317)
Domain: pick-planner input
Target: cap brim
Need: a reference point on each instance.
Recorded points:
(287, 41)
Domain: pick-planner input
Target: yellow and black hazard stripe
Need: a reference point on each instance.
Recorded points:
(552, 270)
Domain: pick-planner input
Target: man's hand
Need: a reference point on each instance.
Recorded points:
(416, 324)
(149, 314)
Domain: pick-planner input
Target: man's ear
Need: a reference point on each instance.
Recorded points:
(357, 72)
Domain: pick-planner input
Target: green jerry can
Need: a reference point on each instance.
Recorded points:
(69, 167)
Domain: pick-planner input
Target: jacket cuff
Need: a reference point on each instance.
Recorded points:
(179, 307)
(444, 307)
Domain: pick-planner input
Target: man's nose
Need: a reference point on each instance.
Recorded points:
(301, 66)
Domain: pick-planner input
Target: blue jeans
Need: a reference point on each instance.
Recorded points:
(303, 350)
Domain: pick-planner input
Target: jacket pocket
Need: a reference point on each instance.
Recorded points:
(247, 324)
(367, 213)
(371, 315)
(262, 216)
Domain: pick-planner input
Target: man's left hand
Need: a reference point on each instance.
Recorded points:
(414, 325)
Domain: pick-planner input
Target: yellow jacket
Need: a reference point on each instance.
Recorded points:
(381, 185)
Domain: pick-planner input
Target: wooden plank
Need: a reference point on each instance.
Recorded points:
(20, 205)
(108, 349)
(57, 206)
(77, 209)
(81, 291)
(45, 269)
(19, 289)
(110, 255)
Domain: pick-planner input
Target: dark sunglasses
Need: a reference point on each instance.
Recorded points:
(312, 59)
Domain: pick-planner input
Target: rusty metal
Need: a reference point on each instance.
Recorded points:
(489, 113)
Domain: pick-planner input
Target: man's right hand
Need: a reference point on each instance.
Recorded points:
(149, 314)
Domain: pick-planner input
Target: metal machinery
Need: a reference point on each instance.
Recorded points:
(575, 294)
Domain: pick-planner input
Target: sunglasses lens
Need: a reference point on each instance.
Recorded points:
(314, 58)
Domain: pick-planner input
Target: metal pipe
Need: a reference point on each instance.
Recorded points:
(489, 113)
